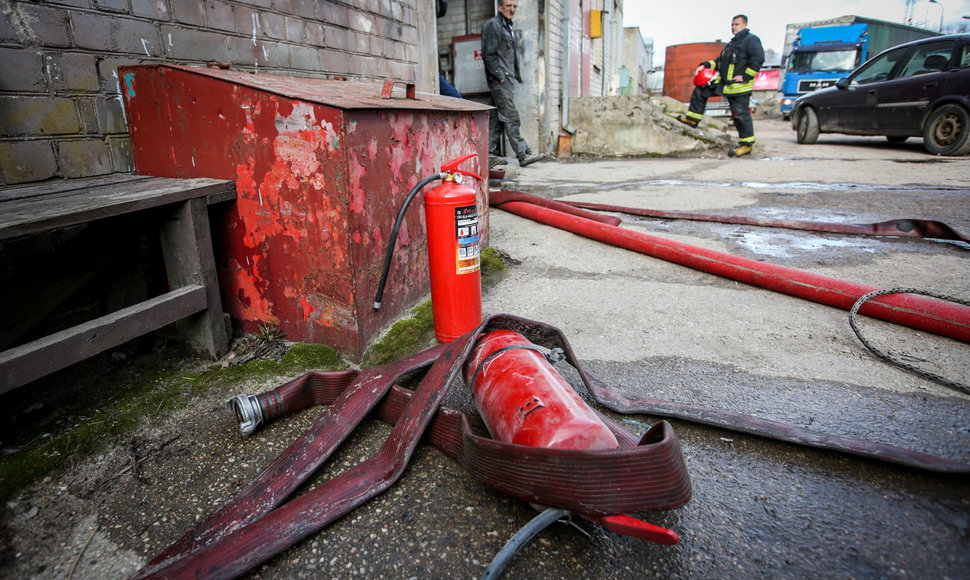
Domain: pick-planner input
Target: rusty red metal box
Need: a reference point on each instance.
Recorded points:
(321, 168)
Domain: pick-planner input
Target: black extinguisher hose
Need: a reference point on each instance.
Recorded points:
(397, 226)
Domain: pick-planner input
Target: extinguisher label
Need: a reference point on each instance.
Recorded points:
(467, 234)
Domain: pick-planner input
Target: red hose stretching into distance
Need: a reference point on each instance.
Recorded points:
(904, 228)
(934, 316)
(506, 195)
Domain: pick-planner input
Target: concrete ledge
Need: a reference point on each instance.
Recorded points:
(639, 125)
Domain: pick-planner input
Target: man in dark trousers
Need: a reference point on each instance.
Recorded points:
(502, 71)
(737, 66)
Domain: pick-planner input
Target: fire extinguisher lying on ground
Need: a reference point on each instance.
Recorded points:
(451, 212)
(524, 400)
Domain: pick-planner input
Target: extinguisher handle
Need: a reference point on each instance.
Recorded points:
(452, 166)
(469, 174)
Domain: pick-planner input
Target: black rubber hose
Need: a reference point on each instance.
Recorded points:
(397, 225)
(521, 538)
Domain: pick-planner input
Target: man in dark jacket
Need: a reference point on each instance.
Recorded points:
(502, 70)
(737, 66)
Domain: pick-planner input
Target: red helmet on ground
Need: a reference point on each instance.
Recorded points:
(706, 76)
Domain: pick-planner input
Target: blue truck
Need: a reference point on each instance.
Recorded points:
(818, 56)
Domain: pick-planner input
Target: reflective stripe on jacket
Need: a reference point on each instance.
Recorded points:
(744, 55)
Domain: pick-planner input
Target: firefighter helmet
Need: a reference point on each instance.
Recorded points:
(706, 76)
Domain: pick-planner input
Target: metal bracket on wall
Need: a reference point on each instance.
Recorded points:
(389, 86)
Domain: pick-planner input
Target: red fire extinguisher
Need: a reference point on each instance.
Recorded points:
(524, 400)
(454, 243)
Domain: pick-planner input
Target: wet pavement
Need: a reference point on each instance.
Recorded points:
(760, 509)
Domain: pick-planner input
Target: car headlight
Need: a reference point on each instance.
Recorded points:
(787, 101)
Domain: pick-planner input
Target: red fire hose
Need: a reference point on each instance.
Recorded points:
(934, 316)
(230, 554)
(505, 196)
(600, 485)
(351, 395)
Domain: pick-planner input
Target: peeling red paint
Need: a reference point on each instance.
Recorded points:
(252, 303)
(357, 195)
(318, 187)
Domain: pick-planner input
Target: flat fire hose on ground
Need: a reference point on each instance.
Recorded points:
(933, 315)
(644, 475)
(355, 395)
(938, 317)
(229, 554)
(622, 402)
(903, 228)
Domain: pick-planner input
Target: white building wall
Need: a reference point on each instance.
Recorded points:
(555, 73)
(637, 58)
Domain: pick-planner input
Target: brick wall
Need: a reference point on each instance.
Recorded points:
(60, 104)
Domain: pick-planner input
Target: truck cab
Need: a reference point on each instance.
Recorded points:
(820, 57)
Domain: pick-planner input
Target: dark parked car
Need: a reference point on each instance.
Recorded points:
(916, 89)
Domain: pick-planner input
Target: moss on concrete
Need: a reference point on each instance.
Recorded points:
(112, 408)
(415, 333)
(406, 337)
(300, 358)
(93, 421)
(493, 267)
(106, 415)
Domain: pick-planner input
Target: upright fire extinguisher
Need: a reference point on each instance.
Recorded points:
(454, 242)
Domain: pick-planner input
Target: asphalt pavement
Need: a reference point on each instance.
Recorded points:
(760, 509)
(657, 329)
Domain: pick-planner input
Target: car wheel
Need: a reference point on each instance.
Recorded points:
(897, 138)
(807, 130)
(947, 131)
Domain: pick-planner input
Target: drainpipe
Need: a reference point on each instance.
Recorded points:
(606, 72)
(616, 49)
(564, 97)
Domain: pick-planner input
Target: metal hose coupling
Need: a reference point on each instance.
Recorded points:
(248, 412)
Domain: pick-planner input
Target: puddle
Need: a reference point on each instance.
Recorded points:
(929, 160)
(800, 185)
(781, 244)
(815, 215)
(791, 243)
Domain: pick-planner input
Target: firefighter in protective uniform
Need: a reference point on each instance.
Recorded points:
(737, 66)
